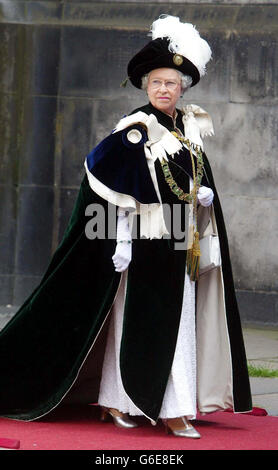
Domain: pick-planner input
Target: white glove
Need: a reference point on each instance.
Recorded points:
(122, 255)
(205, 196)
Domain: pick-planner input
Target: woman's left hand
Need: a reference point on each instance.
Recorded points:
(205, 196)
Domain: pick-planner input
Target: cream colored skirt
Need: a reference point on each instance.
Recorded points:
(180, 394)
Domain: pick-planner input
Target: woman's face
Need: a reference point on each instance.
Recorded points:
(164, 89)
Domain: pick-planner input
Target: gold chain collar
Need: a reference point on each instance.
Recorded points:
(193, 253)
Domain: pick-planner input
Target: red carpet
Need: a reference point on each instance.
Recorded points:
(78, 428)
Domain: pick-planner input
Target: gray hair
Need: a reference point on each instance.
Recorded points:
(186, 81)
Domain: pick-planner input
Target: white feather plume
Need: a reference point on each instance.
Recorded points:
(184, 40)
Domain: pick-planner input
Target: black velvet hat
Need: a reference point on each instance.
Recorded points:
(156, 55)
(174, 45)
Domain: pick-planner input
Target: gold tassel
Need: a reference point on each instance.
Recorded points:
(193, 250)
(193, 258)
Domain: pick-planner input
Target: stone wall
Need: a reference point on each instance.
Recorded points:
(61, 64)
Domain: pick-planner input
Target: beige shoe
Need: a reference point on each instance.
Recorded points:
(180, 427)
(121, 420)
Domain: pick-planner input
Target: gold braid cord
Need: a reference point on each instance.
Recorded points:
(193, 252)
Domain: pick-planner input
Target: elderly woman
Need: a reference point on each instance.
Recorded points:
(138, 322)
(164, 87)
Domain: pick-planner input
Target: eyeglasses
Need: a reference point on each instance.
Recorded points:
(169, 84)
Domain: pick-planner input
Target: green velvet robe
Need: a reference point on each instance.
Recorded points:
(52, 350)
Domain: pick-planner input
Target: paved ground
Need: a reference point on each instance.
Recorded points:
(261, 349)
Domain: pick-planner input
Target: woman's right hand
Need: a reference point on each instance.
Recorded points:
(122, 256)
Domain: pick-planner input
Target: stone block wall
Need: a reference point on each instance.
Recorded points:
(61, 65)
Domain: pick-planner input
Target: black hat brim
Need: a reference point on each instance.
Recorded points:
(156, 55)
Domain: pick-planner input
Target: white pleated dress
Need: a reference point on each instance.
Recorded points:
(180, 394)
